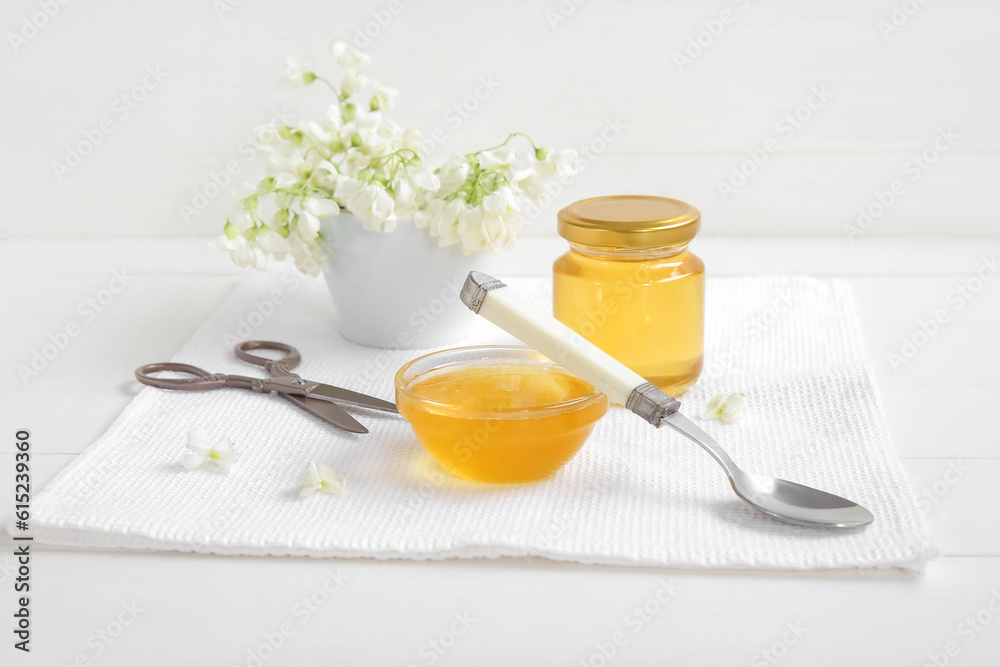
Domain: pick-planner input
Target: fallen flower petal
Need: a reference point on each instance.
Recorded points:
(222, 454)
(319, 478)
(723, 408)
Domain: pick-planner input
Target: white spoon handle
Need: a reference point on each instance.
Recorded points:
(507, 309)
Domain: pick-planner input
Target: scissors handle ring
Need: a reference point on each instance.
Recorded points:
(281, 366)
(199, 379)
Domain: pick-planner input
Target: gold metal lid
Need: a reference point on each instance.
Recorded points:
(629, 221)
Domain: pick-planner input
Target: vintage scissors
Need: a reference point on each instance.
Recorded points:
(314, 397)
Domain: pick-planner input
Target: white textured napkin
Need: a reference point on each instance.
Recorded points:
(634, 495)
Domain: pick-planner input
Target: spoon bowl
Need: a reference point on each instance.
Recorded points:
(799, 504)
(788, 501)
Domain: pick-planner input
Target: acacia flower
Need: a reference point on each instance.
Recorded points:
(357, 161)
(201, 450)
(319, 478)
(724, 408)
(296, 75)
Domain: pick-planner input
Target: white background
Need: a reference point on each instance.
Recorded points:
(61, 242)
(561, 77)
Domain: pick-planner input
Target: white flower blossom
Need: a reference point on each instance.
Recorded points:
(501, 156)
(562, 162)
(383, 98)
(350, 60)
(369, 202)
(309, 257)
(265, 137)
(296, 75)
(423, 178)
(320, 207)
(441, 217)
(724, 408)
(352, 83)
(308, 226)
(318, 133)
(453, 173)
(272, 243)
(201, 450)
(242, 251)
(492, 226)
(358, 159)
(319, 478)
(242, 219)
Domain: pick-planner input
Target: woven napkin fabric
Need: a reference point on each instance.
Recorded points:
(634, 495)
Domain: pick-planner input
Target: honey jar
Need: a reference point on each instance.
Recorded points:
(630, 285)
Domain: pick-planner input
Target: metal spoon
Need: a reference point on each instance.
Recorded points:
(785, 500)
(780, 498)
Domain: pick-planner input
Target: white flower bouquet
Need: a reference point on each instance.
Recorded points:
(360, 161)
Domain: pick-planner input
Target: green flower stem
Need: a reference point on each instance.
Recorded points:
(505, 142)
(300, 192)
(480, 184)
(330, 84)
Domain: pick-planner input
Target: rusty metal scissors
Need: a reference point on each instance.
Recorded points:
(315, 398)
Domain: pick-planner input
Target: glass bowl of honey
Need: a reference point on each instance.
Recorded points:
(500, 414)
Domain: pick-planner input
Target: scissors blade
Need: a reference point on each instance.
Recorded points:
(341, 395)
(329, 412)
(292, 384)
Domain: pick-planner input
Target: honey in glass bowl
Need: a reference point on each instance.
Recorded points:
(499, 414)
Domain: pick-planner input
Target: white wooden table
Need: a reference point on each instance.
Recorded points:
(943, 408)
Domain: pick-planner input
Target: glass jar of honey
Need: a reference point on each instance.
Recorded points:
(630, 285)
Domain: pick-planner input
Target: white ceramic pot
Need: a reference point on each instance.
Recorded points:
(398, 289)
